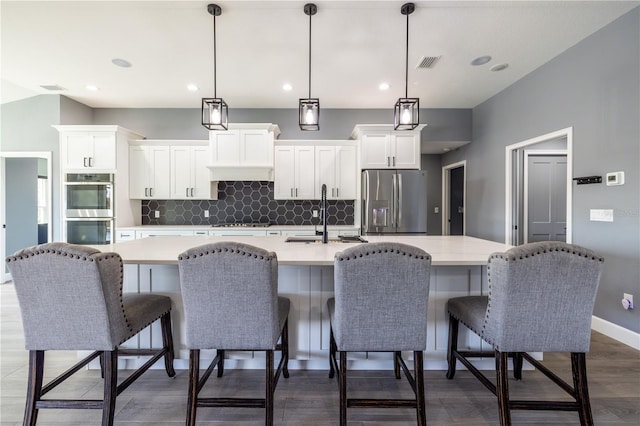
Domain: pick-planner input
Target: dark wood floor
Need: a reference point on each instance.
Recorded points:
(310, 397)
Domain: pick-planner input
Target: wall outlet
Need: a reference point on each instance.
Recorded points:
(206, 214)
(156, 213)
(314, 213)
(436, 210)
(627, 301)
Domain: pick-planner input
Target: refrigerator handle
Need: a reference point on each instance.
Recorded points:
(394, 197)
(364, 201)
(399, 199)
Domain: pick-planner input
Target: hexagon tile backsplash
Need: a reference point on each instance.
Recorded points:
(245, 202)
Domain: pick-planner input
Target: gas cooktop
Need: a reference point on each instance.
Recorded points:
(241, 225)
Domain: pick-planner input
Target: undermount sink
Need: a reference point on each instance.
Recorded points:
(318, 239)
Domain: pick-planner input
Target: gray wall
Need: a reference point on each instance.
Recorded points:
(26, 126)
(593, 87)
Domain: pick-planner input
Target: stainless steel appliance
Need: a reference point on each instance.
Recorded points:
(394, 202)
(90, 231)
(89, 195)
(89, 208)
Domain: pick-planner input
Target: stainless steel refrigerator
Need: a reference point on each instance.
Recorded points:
(394, 202)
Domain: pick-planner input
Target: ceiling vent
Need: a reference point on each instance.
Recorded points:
(427, 62)
(52, 87)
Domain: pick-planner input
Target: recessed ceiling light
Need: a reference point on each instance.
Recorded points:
(446, 149)
(119, 62)
(384, 86)
(91, 87)
(499, 67)
(192, 87)
(287, 87)
(481, 60)
(52, 87)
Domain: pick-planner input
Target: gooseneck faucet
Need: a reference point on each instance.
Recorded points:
(323, 210)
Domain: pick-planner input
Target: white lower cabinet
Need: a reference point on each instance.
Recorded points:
(125, 235)
(160, 232)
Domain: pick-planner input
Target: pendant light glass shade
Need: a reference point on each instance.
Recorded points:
(406, 114)
(309, 108)
(215, 112)
(309, 114)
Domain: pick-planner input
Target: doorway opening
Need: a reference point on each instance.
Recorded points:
(26, 180)
(454, 193)
(538, 188)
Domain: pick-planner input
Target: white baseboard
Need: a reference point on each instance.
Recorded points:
(621, 334)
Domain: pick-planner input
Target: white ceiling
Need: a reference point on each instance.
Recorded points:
(261, 45)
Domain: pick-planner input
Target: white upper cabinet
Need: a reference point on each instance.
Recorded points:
(294, 172)
(336, 167)
(149, 172)
(189, 173)
(383, 148)
(244, 152)
(89, 148)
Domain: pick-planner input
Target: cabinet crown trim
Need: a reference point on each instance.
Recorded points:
(363, 128)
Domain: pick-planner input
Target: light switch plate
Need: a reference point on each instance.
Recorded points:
(601, 215)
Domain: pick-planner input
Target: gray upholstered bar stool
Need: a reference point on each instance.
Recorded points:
(71, 298)
(231, 302)
(380, 305)
(541, 298)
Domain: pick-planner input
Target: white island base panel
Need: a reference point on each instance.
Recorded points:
(308, 288)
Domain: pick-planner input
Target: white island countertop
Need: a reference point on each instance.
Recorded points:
(444, 250)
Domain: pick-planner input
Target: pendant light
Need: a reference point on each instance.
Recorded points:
(406, 111)
(215, 112)
(309, 108)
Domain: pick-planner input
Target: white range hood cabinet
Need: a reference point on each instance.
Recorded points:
(244, 152)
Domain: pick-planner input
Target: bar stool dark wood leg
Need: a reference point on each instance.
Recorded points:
(34, 388)
(421, 409)
(110, 361)
(192, 399)
(342, 382)
(452, 347)
(285, 349)
(167, 339)
(269, 389)
(220, 353)
(332, 353)
(396, 364)
(517, 365)
(502, 387)
(579, 372)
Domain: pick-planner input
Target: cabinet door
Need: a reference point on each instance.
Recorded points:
(406, 151)
(376, 151)
(284, 176)
(181, 184)
(227, 148)
(304, 170)
(76, 150)
(139, 171)
(200, 173)
(103, 155)
(346, 172)
(160, 178)
(325, 171)
(255, 148)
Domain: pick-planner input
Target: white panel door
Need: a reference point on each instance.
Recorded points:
(346, 172)
(200, 173)
(304, 170)
(160, 178)
(405, 151)
(325, 170)
(284, 173)
(227, 148)
(255, 147)
(181, 184)
(103, 154)
(376, 152)
(139, 172)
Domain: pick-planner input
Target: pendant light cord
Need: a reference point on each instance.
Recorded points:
(310, 56)
(406, 64)
(214, 56)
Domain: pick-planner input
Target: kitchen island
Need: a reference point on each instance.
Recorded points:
(305, 275)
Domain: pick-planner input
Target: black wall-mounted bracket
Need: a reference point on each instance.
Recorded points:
(588, 179)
